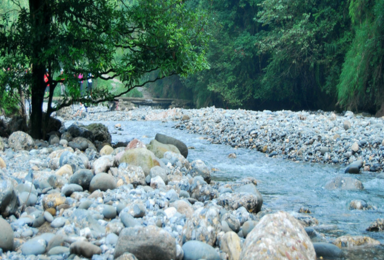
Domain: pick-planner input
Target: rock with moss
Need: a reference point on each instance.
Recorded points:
(20, 141)
(159, 148)
(140, 157)
(100, 132)
(164, 139)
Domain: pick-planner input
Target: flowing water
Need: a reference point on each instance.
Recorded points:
(285, 185)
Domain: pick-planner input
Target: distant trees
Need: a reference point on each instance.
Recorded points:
(294, 54)
(83, 36)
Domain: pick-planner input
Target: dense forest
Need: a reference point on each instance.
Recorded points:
(301, 54)
(274, 54)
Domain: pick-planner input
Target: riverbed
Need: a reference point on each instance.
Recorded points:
(284, 184)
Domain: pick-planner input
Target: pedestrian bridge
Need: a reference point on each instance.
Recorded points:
(153, 102)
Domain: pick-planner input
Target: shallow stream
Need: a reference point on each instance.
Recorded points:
(285, 185)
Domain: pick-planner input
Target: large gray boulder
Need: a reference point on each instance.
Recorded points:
(146, 243)
(8, 198)
(159, 148)
(100, 132)
(246, 196)
(80, 131)
(344, 183)
(278, 236)
(20, 141)
(170, 140)
(204, 225)
(84, 248)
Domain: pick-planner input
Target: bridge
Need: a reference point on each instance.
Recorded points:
(153, 102)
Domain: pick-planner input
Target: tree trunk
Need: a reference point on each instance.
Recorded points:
(36, 123)
(40, 21)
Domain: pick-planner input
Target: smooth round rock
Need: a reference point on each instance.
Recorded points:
(6, 236)
(58, 250)
(68, 189)
(327, 250)
(109, 211)
(58, 222)
(195, 250)
(82, 177)
(103, 182)
(86, 249)
(48, 217)
(34, 247)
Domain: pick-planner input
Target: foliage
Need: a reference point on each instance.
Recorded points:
(124, 39)
(272, 54)
(362, 79)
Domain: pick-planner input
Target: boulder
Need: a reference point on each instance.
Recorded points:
(6, 236)
(135, 143)
(355, 241)
(251, 201)
(8, 198)
(86, 249)
(103, 182)
(131, 175)
(146, 243)
(170, 140)
(195, 250)
(200, 169)
(82, 177)
(100, 132)
(231, 245)
(159, 148)
(53, 124)
(344, 183)
(377, 225)
(106, 150)
(278, 236)
(204, 225)
(81, 143)
(34, 247)
(20, 140)
(139, 157)
(80, 131)
(103, 164)
(158, 171)
(354, 167)
(327, 250)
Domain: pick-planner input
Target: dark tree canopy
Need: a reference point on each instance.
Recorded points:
(84, 37)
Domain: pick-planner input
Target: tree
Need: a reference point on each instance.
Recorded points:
(307, 41)
(361, 85)
(83, 36)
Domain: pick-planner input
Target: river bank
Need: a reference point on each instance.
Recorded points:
(321, 137)
(70, 211)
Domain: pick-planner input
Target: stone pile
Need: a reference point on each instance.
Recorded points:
(77, 195)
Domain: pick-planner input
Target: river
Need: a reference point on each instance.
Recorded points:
(285, 185)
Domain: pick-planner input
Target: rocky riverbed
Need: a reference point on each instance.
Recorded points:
(79, 196)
